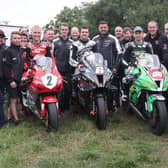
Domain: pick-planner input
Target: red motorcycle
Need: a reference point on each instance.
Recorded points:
(43, 84)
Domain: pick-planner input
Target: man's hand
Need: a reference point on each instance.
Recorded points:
(13, 84)
(114, 70)
(129, 69)
(25, 67)
(80, 66)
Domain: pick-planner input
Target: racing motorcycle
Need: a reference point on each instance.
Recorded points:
(149, 83)
(94, 82)
(40, 96)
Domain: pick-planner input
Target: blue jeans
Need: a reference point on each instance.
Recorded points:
(2, 117)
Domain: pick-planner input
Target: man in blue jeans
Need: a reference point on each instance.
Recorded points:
(2, 117)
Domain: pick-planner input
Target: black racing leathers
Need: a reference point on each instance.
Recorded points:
(61, 54)
(78, 47)
(132, 50)
(108, 45)
(13, 63)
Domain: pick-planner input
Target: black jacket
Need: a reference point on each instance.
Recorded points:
(123, 42)
(1, 64)
(61, 54)
(163, 44)
(155, 43)
(2, 49)
(108, 45)
(13, 63)
(131, 49)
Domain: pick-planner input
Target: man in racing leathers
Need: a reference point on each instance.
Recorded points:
(77, 46)
(132, 50)
(83, 44)
(36, 47)
(137, 46)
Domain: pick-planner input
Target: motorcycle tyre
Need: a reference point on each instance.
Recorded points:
(161, 117)
(52, 116)
(101, 113)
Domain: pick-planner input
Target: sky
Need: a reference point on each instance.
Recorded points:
(34, 12)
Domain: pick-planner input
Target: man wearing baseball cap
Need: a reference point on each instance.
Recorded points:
(137, 46)
(2, 35)
(133, 49)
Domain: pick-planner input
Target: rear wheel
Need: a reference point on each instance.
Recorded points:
(52, 116)
(101, 113)
(158, 119)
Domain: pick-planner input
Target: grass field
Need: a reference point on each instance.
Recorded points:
(126, 143)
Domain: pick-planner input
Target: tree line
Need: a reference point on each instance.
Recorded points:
(115, 12)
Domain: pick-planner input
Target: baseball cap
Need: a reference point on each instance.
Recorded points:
(138, 29)
(2, 34)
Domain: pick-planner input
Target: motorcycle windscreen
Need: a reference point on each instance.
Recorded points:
(44, 63)
(96, 62)
(150, 62)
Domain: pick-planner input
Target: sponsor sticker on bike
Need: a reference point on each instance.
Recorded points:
(99, 70)
(49, 80)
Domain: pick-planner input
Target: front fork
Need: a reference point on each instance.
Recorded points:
(94, 109)
(151, 99)
(48, 99)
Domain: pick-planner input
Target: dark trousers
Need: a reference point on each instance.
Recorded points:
(66, 93)
(116, 93)
(2, 116)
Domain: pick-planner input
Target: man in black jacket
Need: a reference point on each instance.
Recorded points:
(13, 67)
(153, 36)
(163, 44)
(127, 37)
(108, 45)
(61, 53)
(2, 49)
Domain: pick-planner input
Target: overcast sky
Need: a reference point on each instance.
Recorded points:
(33, 12)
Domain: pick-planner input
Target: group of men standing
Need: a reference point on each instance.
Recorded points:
(65, 49)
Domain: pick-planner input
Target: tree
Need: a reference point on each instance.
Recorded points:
(115, 12)
(74, 17)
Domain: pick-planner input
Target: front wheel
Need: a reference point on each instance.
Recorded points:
(158, 119)
(52, 116)
(101, 113)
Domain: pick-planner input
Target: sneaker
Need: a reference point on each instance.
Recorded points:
(17, 122)
(10, 120)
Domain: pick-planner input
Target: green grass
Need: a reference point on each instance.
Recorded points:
(126, 143)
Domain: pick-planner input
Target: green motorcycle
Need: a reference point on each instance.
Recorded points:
(149, 83)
